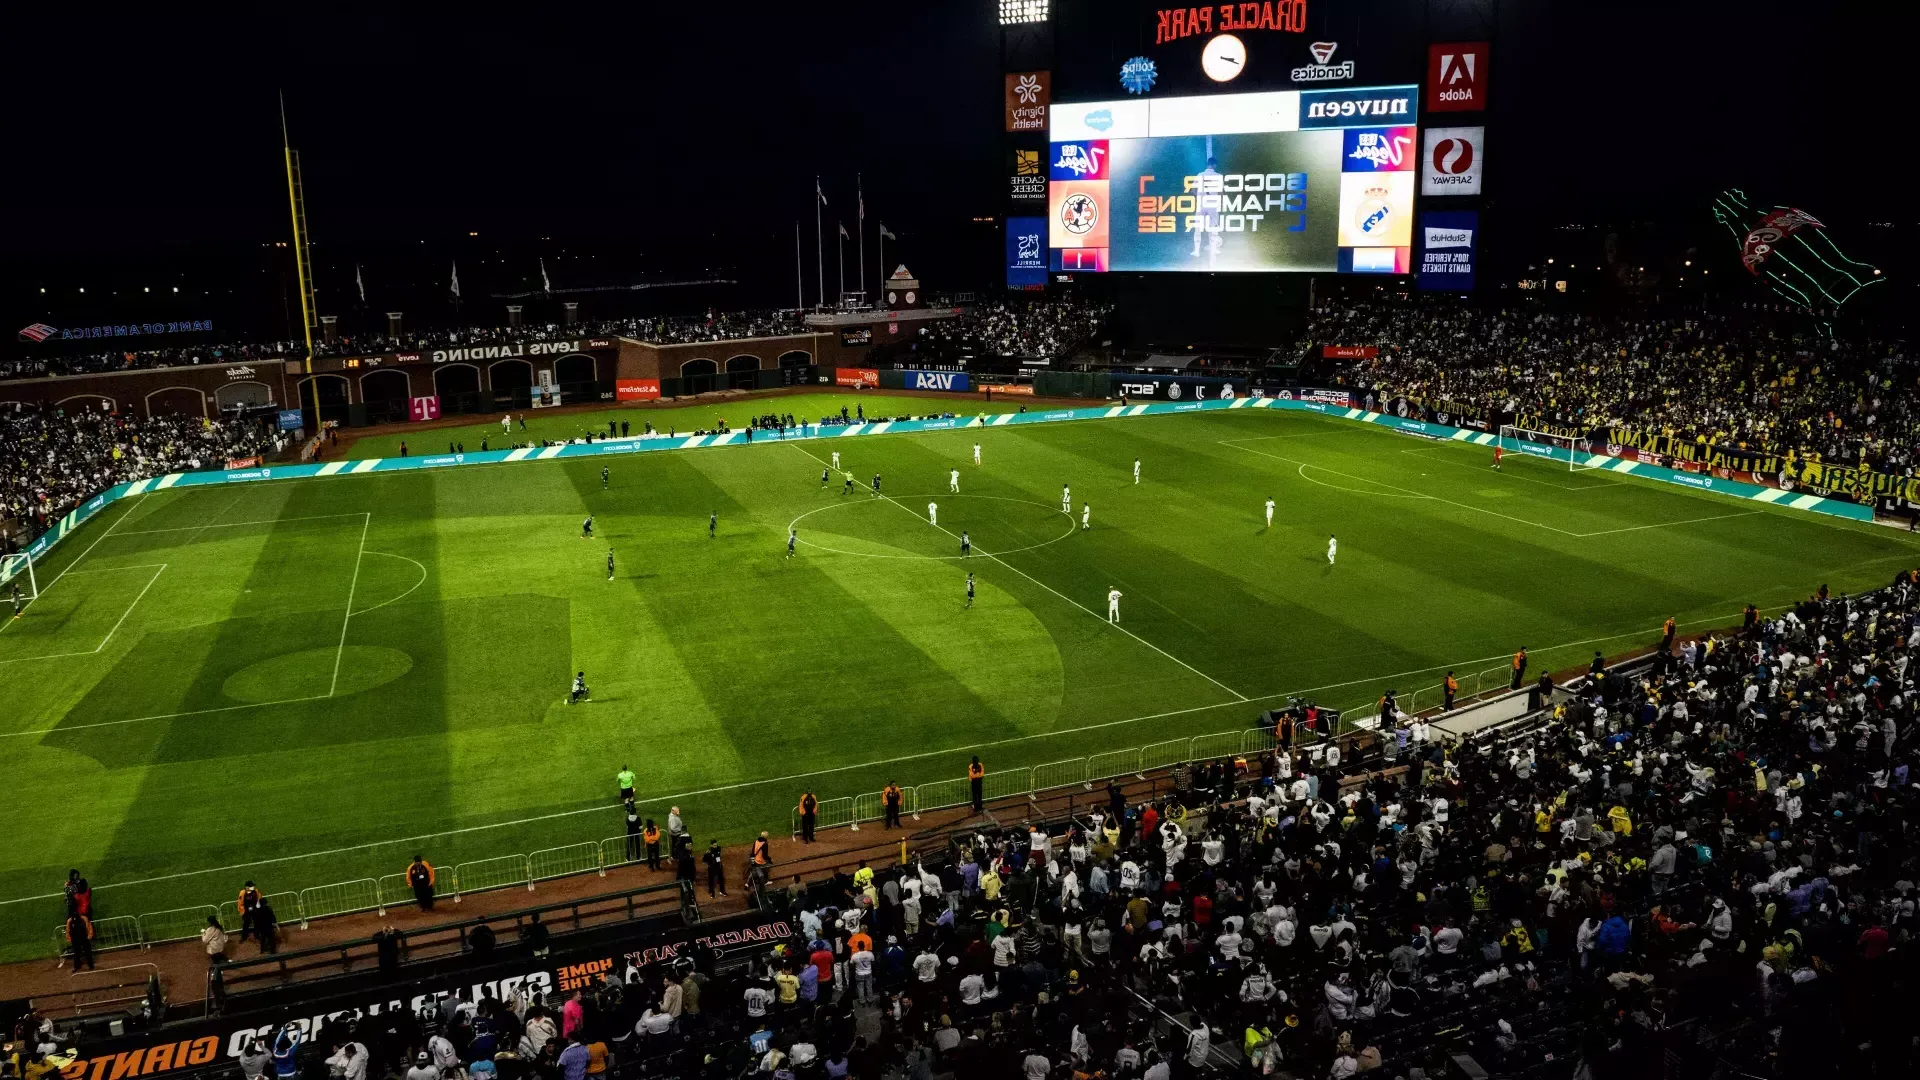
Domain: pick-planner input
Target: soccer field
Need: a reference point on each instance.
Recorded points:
(305, 682)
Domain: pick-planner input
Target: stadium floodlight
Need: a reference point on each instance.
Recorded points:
(1014, 12)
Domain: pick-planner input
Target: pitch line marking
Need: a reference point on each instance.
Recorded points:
(402, 596)
(989, 555)
(239, 524)
(346, 620)
(1352, 491)
(935, 558)
(155, 567)
(1570, 490)
(791, 777)
(78, 558)
(1664, 524)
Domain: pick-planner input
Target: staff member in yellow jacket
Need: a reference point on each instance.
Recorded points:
(420, 879)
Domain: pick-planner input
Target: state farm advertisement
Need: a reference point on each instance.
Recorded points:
(636, 389)
(856, 376)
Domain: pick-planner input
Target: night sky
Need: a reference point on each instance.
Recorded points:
(681, 140)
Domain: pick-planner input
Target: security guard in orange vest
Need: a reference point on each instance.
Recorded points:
(1450, 687)
(1666, 634)
(977, 777)
(420, 880)
(891, 799)
(809, 811)
(1519, 668)
(651, 836)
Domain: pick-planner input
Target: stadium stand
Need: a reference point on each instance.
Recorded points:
(1700, 862)
(1741, 380)
(52, 461)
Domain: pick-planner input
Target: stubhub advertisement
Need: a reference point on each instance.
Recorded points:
(1447, 239)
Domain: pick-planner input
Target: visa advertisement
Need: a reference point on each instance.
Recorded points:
(1317, 181)
(1447, 240)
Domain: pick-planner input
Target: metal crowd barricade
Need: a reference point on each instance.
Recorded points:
(340, 898)
(622, 851)
(178, 924)
(1220, 745)
(286, 908)
(1162, 754)
(498, 873)
(942, 795)
(1055, 774)
(1114, 763)
(119, 932)
(549, 863)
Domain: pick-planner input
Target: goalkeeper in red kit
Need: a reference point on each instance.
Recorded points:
(1498, 453)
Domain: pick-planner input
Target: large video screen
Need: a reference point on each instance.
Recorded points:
(1291, 180)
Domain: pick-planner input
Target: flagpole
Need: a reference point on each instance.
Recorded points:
(861, 224)
(840, 246)
(882, 239)
(799, 276)
(819, 243)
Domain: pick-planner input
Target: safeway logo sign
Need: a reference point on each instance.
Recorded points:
(1452, 161)
(1457, 76)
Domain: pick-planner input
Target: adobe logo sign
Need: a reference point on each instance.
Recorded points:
(1457, 76)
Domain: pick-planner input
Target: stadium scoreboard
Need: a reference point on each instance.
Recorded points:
(1284, 180)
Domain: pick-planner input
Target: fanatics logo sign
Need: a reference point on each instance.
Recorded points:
(1457, 77)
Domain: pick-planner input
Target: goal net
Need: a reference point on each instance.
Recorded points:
(17, 571)
(1576, 454)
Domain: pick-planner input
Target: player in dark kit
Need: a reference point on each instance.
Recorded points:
(969, 588)
(793, 537)
(713, 522)
(580, 692)
(604, 476)
(824, 475)
(586, 528)
(876, 483)
(609, 564)
(966, 545)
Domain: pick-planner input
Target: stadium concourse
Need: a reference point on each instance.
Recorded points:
(1701, 862)
(1033, 328)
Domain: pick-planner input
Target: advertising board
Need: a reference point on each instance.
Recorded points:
(868, 377)
(636, 389)
(1451, 160)
(1447, 244)
(956, 381)
(1291, 180)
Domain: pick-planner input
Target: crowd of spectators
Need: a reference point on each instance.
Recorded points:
(1705, 861)
(1738, 381)
(713, 326)
(1019, 328)
(52, 460)
(106, 363)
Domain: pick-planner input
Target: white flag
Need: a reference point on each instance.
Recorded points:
(843, 231)
(885, 233)
(816, 190)
(362, 284)
(544, 283)
(454, 285)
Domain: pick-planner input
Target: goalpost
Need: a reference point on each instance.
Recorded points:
(1576, 453)
(18, 570)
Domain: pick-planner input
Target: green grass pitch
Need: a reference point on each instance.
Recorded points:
(305, 682)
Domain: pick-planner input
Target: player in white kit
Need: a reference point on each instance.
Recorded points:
(1269, 512)
(836, 461)
(1333, 546)
(1136, 470)
(1086, 516)
(976, 453)
(933, 513)
(1066, 499)
(1113, 604)
(953, 481)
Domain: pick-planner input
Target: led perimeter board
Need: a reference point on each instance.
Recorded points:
(1299, 180)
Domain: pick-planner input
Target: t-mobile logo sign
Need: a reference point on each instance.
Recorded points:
(1457, 77)
(423, 408)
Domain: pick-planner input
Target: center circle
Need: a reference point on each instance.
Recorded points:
(996, 524)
